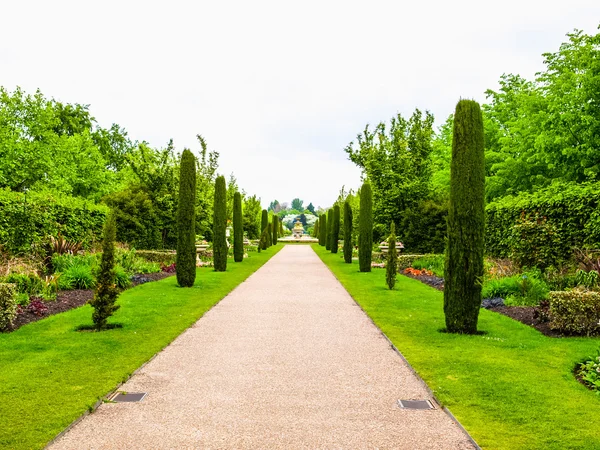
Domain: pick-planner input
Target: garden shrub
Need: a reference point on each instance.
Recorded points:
(220, 225)
(264, 223)
(433, 263)
(165, 257)
(526, 289)
(365, 228)
(323, 230)
(347, 232)
(28, 220)
(569, 214)
(329, 234)
(391, 266)
(535, 242)
(77, 277)
(238, 228)
(464, 252)
(61, 263)
(335, 229)
(122, 279)
(30, 284)
(575, 312)
(406, 261)
(186, 221)
(424, 227)
(589, 372)
(275, 229)
(8, 305)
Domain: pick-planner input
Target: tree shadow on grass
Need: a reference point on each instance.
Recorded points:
(92, 328)
(477, 333)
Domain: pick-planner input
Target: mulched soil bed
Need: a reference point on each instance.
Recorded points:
(528, 315)
(75, 298)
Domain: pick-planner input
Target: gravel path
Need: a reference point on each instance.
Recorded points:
(287, 360)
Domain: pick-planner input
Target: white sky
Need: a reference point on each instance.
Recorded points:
(278, 88)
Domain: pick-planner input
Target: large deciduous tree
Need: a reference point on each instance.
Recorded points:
(220, 225)
(186, 221)
(463, 272)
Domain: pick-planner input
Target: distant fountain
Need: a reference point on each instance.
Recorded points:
(298, 230)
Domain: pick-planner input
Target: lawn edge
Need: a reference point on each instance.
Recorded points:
(100, 401)
(410, 367)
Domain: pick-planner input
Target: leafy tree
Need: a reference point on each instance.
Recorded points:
(106, 293)
(365, 231)
(391, 267)
(335, 229)
(347, 232)
(232, 188)
(238, 230)
(297, 204)
(329, 229)
(186, 221)
(252, 214)
(274, 206)
(463, 272)
(220, 225)
(323, 230)
(302, 218)
(264, 224)
(208, 163)
(311, 208)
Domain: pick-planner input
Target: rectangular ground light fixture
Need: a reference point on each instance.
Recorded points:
(121, 397)
(415, 404)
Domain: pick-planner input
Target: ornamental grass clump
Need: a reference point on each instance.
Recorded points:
(463, 272)
(347, 232)
(220, 226)
(107, 292)
(238, 229)
(186, 221)
(391, 267)
(365, 228)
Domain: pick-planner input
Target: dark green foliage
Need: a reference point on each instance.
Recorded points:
(335, 229)
(328, 236)
(27, 219)
(347, 232)
(323, 230)
(464, 254)
(106, 292)
(269, 234)
(220, 225)
(391, 264)
(186, 221)
(264, 224)
(424, 227)
(275, 228)
(316, 230)
(365, 228)
(238, 230)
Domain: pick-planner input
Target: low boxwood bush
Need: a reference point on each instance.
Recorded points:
(8, 304)
(575, 312)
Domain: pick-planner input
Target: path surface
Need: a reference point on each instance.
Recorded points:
(287, 360)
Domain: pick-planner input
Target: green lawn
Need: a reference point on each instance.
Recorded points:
(512, 388)
(50, 374)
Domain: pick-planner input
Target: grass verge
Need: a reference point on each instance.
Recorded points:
(50, 373)
(511, 388)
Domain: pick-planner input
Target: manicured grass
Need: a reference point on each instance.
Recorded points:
(511, 388)
(50, 374)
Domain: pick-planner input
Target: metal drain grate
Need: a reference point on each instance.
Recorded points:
(415, 404)
(122, 397)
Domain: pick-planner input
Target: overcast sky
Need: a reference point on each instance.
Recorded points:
(278, 88)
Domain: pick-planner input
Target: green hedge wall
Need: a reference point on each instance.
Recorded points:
(571, 211)
(27, 219)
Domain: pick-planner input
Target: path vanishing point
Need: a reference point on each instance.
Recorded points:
(287, 360)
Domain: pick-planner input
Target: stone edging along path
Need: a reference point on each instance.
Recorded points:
(286, 360)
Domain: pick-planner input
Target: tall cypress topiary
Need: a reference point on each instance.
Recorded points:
(275, 229)
(323, 230)
(264, 223)
(365, 228)
(464, 251)
(238, 228)
(269, 234)
(220, 225)
(106, 291)
(347, 232)
(391, 266)
(329, 228)
(335, 229)
(186, 221)
(316, 229)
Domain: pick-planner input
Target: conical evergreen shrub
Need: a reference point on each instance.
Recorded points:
(347, 232)
(391, 267)
(269, 234)
(238, 228)
(275, 228)
(316, 229)
(323, 230)
(329, 229)
(220, 225)
(186, 221)
(463, 271)
(106, 290)
(335, 229)
(264, 223)
(365, 228)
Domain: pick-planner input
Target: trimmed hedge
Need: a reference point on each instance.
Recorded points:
(162, 257)
(27, 220)
(8, 304)
(575, 312)
(405, 261)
